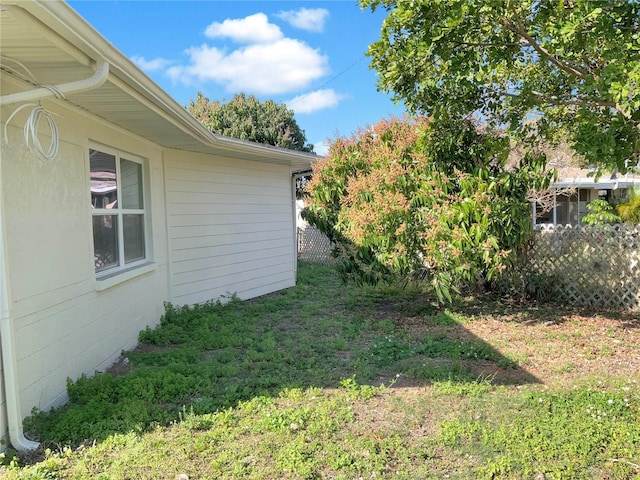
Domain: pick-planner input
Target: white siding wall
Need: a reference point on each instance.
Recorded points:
(65, 325)
(230, 226)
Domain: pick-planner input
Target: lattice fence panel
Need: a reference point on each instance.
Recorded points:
(590, 266)
(314, 246)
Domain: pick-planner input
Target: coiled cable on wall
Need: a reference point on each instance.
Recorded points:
(30, 130)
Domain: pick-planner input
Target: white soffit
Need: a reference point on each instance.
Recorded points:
(50, 42)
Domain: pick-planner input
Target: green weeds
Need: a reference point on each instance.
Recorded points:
(582, 433)
(290, 386)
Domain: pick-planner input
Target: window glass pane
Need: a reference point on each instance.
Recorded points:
(104, 193)
(582, 204)
(131, 177)
(133, 238)
(543, 217)
(584, 194)
(573, 209)
(562, 209)
(105, 242)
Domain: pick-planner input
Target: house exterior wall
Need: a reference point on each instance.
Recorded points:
(569, 210)
(67, 323)
(217, 247)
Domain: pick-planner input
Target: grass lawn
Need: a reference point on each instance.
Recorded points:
(331, 381)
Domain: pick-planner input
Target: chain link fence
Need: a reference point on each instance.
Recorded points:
(314, 246)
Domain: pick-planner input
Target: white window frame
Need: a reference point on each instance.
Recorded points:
(118, 212)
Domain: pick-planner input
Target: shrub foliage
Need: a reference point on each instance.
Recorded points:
(629, 211)
(416, 199)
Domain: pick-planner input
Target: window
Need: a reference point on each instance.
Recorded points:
(118, 209)
(583, 199)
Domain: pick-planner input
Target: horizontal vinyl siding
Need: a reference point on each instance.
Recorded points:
(258, 229)
(233, 217)
(230, 226)
(183, 258)
(245, 283)
(210, 269)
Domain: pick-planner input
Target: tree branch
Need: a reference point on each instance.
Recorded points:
(517, 27)
(485, 44)
(542, 98)
(578, 102)
(584, 103)
(545, 199)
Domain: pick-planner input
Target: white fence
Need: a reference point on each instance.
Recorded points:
(314, 246)
(597, 267)
(590, 266)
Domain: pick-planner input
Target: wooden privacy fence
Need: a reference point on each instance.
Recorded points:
(590, 266)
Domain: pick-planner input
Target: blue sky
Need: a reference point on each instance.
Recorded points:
(309, 55)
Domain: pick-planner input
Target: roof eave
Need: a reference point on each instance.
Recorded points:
(92, 47)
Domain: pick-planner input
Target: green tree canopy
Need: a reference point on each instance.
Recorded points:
(574, 65)
(247, 118)
(424, 200)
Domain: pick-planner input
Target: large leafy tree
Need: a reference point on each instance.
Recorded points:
(424, 200)
(247, 118)
(574, 65)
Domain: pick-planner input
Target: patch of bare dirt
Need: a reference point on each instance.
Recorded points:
(567, 348)
(551, 344)
(122, 366)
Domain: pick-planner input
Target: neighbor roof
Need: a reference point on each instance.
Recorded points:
(48, 43)
(584, 178)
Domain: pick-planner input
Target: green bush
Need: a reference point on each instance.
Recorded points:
(600, 213)
(424, 201)
(629, 211)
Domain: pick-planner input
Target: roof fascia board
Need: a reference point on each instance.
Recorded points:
(201, 134)
(590, 184)
(259, 149)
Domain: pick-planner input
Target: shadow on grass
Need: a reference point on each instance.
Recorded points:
(539, 313)
(211, 357)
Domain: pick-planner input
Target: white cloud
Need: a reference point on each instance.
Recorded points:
(272, 68)
(316, 100)
(310, 19)
(150, 65)
(252, 29)
(268, 63)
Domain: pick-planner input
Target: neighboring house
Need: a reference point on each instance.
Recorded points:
(575, 188)
(141, 205)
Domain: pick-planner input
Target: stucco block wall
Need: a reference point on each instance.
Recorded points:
(230, 225)
(66, 323)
